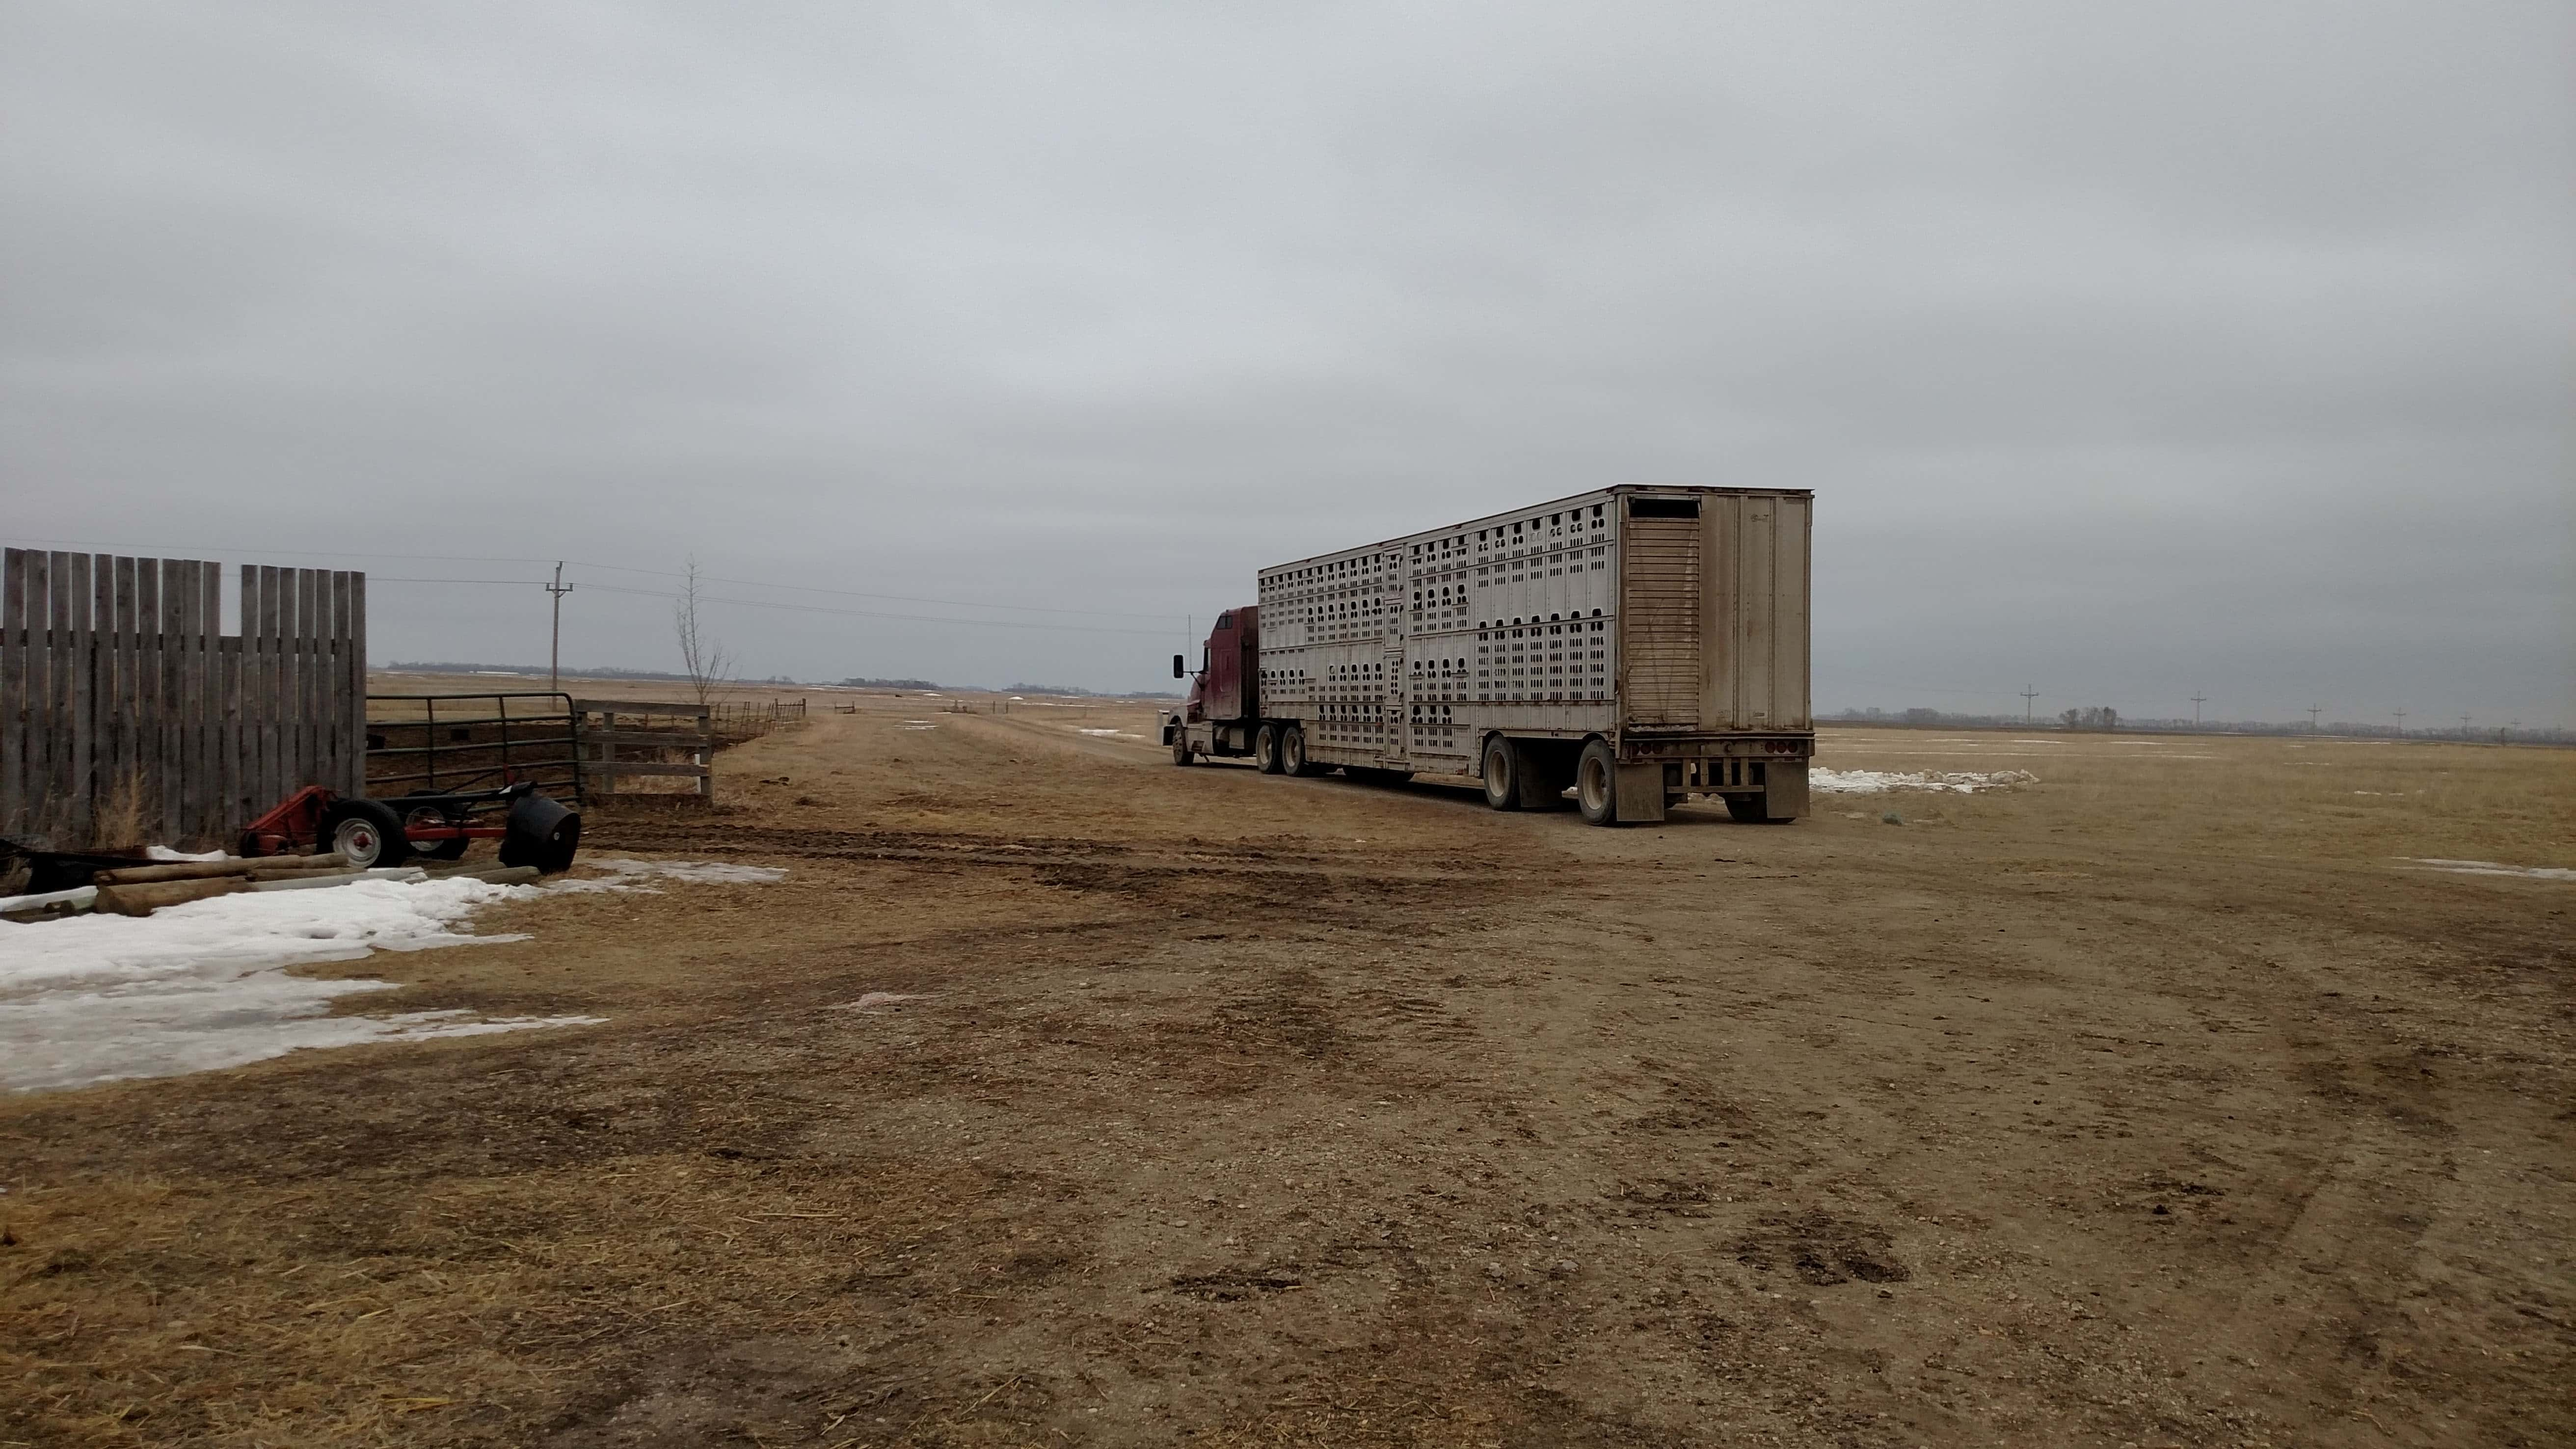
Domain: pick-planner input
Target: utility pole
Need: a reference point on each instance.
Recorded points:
(2464, 727)
(554, 651)
(2028, 695)
(2197, 701)
(2313, 711)
(2401, 723)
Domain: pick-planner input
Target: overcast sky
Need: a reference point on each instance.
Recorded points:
(2133, 350)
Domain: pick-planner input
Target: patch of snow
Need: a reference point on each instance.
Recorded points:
(1872, 782)
(1113, 734)
(2489, 867)
(875, 999)
(630, 875)
(163, 852)
(202, 985)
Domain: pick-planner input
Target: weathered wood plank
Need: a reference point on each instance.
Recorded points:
(213, 824)
(349, 711)
(187, 825)
(663, 739)
(80, 715)
(174, 699)
(263, 708)
(637, 706)
(58, 703)
(308, 677)
(14, 721)
(121, 662)
(354, 634)
(326, 690)
(245, 754)
(623, 767)
(103, 697)
(145, 662)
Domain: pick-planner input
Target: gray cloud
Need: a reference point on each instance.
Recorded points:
(2132, 350)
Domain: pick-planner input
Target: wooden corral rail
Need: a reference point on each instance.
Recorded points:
(631, 738)
(126, 712)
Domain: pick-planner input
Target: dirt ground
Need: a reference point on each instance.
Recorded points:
(2160, 1102)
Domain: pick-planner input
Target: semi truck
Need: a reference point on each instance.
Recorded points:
(1633, 646)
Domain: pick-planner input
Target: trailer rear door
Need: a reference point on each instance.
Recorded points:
(1660, 662)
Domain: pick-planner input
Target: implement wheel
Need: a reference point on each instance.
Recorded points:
(366, 831)
(431, 816)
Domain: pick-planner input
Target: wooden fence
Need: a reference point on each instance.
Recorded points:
(127, 716)
(630, 738)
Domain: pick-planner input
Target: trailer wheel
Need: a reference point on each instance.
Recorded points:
(1502, 774)
(367, 832)
(436, 849)
(1596, 784)
(1265, 749)
(1292, 753)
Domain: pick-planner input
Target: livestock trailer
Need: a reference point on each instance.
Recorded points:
(1638, 644)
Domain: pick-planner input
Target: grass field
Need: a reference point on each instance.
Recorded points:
(2168, 1100)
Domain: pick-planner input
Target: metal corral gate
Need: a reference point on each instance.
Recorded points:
(423, 743)
(126, 711)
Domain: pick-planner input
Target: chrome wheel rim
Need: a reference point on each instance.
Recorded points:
(1596, 787)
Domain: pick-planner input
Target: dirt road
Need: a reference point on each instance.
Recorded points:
(2162, 1102)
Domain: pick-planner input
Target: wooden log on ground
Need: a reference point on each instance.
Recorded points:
(315, 879)
(210, 869)
(174, 870)
(143, 900)
(493, 874)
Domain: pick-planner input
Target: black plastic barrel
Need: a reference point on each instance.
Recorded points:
(541, 833)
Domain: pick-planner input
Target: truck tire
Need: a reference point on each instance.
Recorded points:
(366, 831)
(1502, 774)
(1265, 749)
(1292, 753)
(1596, 784)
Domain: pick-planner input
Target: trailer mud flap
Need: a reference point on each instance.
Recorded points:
(1784, 789)
(1641, 794)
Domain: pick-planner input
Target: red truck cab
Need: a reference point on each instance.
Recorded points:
(1223, 710)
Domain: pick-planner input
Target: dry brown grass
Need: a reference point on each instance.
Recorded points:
(2325, 799)
(1193, 1025)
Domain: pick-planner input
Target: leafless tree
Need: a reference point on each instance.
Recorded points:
(709, 667)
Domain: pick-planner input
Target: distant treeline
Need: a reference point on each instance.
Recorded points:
(2104, 718)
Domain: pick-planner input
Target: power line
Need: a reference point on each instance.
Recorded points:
(195, 548)
(794, 608)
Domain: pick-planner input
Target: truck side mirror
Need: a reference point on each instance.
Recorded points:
(1179, 670)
